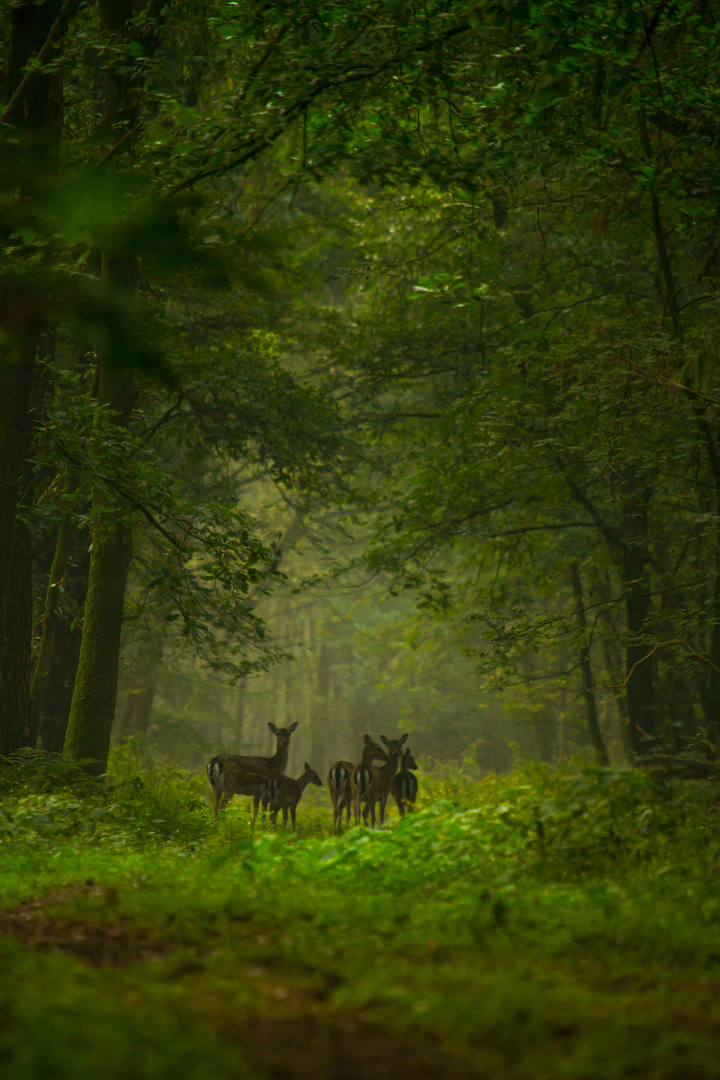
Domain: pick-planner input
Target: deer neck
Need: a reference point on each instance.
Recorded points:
(279, 760)
(389, 769)
(369, 755)
(302, 782)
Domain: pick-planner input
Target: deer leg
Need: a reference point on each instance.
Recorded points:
(344, 806)
(256, 805)
(292, 815)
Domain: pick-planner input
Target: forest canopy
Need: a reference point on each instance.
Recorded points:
(358, 360)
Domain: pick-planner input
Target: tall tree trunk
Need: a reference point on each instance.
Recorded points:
(140, 688)
(639, 682)
(57, 660)
(93, 703)
(94, 698)
(36, 112)
(711, 697)
(601, 754)
(240, 715)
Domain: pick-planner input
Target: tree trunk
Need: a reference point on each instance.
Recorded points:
(601, 755)
(94, 698)
(57, 660)
(93, 703)
(711, 698)
(241, 716)
(140, 688)
(37, 113)
(639, 684)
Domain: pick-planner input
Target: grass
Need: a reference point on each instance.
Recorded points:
(539, 925)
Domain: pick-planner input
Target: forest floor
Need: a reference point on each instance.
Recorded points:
(547, 924)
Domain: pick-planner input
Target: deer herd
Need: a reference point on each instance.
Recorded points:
(363, 785)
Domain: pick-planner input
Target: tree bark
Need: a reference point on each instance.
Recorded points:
(639, 691)
(59, 651)
(36, 113)
(94, 698)
(598, 743)
(140, 687)
(93, 702)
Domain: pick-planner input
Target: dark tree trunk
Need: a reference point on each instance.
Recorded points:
(639, 684)
(140, 689)
(15, 684)
(711, 697)
(598, 743)
(36, 112)
(93, 703)
(59, 652)
(94, 698)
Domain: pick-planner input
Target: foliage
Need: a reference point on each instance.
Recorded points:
(541, 924)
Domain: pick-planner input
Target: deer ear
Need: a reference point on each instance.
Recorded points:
(404, 738)
(386, 741)
(272, 727)
(293, 726)
(367, 739)
(308, 768)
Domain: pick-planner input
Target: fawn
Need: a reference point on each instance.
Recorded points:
(338, 779)
(231, 774)
(372, 785)
(284, 793)
(404, 787)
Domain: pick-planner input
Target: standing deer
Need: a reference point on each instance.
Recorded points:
(231, 774)
(404, 787)
(338, 779)
(370, 785)
(284, 793)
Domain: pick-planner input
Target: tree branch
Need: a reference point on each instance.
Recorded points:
(66, 13)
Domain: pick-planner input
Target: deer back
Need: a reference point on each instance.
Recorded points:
(230, 775)
(238, 770)
(374, 783)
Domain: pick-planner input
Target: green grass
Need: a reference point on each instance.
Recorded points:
(539, 925)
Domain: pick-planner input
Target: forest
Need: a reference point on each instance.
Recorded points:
(359, 539)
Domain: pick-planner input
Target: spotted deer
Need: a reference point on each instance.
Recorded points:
(284, 793)
(338, 779)
(231, 774)
(404, 787)
(372, 785)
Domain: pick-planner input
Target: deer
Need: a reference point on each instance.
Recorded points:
(231, 774)
(404, 787)
(338, 779)
(284, 793)
(372, 785)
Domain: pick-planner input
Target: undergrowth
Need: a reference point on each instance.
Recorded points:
(543, 924)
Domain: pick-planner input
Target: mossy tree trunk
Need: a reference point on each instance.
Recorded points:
(92, 711)
(59, 650)
(93, 702)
